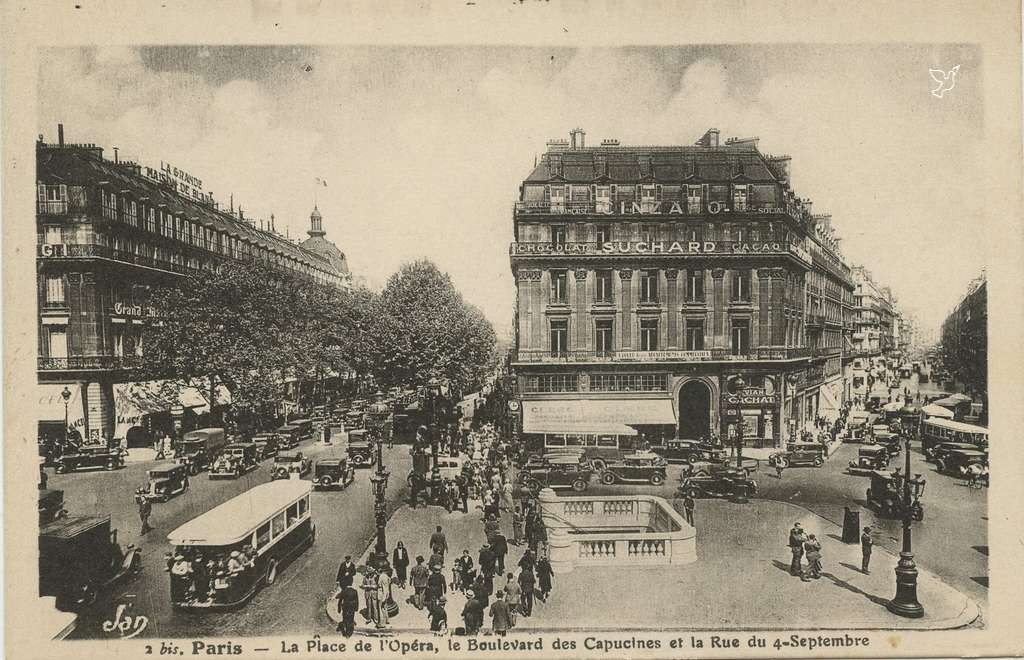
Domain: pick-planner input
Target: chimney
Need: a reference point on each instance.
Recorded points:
(60, 135)
(609, 142)
(709, 139)
(117, 159)
(742, 142)
(577, 138)
(558, 145)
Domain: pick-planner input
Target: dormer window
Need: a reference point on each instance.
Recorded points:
(739, 198)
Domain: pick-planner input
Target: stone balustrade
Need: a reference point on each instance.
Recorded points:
(620, 530)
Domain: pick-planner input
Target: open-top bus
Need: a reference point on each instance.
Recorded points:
(935, 431)
(240, 545)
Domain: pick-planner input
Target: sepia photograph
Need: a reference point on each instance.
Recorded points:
(666, 348)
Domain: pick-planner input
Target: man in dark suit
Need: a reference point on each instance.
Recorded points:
(866, 544)
(346, 572)
(499, 545)
(796, 547)
(348, 601)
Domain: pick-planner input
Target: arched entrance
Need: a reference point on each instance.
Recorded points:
(694, 410)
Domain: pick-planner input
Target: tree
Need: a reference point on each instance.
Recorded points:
(426, 330)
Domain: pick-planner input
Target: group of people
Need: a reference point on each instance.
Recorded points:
(807, 546)
(203, 578)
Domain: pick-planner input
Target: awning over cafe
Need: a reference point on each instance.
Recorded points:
(602, 416)
(51, 404)
(133, 400)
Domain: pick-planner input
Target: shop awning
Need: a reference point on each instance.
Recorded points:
(51, 404)
(133, 400)
(603, 416)
(932, 410)
(192, 397)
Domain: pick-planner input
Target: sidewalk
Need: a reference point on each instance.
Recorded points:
(739, 581)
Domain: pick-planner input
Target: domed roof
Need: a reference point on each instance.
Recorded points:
(316, 213)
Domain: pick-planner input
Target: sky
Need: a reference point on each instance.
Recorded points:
(423, 149)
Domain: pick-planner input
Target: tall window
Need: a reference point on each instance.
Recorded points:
(739, 198)
(604, 199)
(648, 286)
(603, 283)
(741, 286)
(558, 235)
(559, 286)
(649, 335)
(559, 337)
(740, 336)
(53, 235)
(58, 343)
(695, 286)
(557, 199)
(648, 233)
(603, 336)
(693, 199)
(693, 233)
(694, 334)
(54, 289)
(601, 235)
(647, 199)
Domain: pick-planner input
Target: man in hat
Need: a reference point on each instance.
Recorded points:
(348, 602)
(472, 614)
(235, 564)
(796, 547)
(501, 620)
(438, 617)
(866, 544)
(499, 545)
(438, 543)
(346, 572)
(419, 574)
(369, 588)
(145, 509)
(487, 560)
(688, 506)
(436, 586)
(181, 573)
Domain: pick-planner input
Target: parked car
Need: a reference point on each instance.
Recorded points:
(333, 473)
(940, 450)
(690, 451)
(885, 496)
(80, 559)
(797, 454)
(289, 436)
(266, 444)
(236, 459)
(725, 483)
(565, 471)
(90, 456)
(869, 459)
(165, 482)
(955, 460)
(642, 467)
(361, 448)
(287, 466)
(51, 506)
(198, 448)
(892, 442)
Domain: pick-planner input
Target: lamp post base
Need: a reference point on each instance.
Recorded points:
(905, 602)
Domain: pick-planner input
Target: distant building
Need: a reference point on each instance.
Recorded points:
(964, 347)
(653, 281)
(317, 243)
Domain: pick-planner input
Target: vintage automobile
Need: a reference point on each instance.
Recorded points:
(289, 466)
(333, 473)
(361, 449)
(954, 460)
(885, 497)
(689, 451)
(869, 459)
(79, 558)
(288, 436)
(198, 448)
(355, 418)
(90, 456)
(797, 454)
(305, 426)
(165, 482)
(940, 450)
(448, 467)
(235, 460)
(725, 483)
(565, 471)
(892, 442)
(51, 506)
(639, 467)
(266, 444)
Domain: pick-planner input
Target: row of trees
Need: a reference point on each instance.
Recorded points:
(247, 326)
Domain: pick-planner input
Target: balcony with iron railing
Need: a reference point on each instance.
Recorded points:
(527, 250)
(758, 354)
(88, 363)
(669, 206)
(814, 320)
(99, 251)
(52, 207)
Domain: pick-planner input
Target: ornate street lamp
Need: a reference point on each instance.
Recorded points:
(66, 395)
(379, 484)
(905, 602)
(434, 392)
(740, 493)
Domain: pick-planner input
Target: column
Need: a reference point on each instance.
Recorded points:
(537, 299)
(583, 322)
(626, 308)
(718, 305)
(99, 410)
(672, 299)
(764, 305)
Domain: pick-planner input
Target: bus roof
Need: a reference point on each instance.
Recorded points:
(956, 426)
(236, 519)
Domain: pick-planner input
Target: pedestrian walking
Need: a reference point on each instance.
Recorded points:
(866, 544)
(501, 620)
(145, 510)
(419, 575)
(417, 486)
(438, 617)
(812, 548)
(383, 598)
(796, 547)
(527, 561)
(513, 594)
(462, 481)
(369, 587)
(438, 543)
(527, 583)
(499, 546)
(491, 526)
(517, 527)
(544, 575)
(436, 586)
(506, 496)
(400, 560)
(778, 469)
(472, 614)
(348, 603)
(688, 505)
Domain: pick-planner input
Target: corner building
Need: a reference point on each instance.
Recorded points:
(651, 279)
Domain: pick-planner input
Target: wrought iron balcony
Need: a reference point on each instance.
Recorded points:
(52, 207)
(762, 353)
(87, 363)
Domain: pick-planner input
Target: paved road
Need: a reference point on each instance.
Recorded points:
(344, 522)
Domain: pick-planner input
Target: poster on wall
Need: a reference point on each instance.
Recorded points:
(750, 425)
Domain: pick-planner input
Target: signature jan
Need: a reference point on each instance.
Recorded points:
(124, 624)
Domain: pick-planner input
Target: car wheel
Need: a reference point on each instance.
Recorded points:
(607, 478)
(940, 465)
(693, 492)
(782, 462)
(358, 460)
(271, 576)
(325, 482)
(693, 459)
(657, 479)
(599, 464)
(111, 465)
(579, 485)
(818, 461)
(61, 468)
